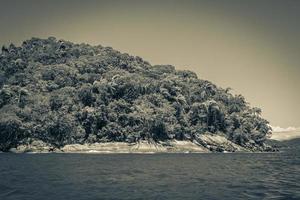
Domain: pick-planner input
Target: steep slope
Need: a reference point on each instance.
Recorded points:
(63, 93)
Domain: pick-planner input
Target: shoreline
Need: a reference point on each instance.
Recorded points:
(203, 144)
(143, 147)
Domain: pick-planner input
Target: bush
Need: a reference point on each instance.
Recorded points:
(11, 133)
(5, 96)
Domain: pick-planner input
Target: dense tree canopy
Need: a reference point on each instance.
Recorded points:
(64, 93)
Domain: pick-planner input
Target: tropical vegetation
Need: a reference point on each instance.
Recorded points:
(65, 93)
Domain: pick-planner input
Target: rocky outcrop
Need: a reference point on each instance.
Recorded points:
(202, 144)
(218, 143)
(36, 146)
(172, 146)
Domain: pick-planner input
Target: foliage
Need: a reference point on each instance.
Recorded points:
(66, 93)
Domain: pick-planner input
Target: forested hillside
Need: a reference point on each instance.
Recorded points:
(65, 93)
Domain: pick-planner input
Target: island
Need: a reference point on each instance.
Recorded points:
(58, 96)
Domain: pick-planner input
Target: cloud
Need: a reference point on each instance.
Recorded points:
(282, 134)
(280, 129)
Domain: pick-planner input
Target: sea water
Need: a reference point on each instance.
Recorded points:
(150, 176)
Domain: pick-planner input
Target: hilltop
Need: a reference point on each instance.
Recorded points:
(54, 93)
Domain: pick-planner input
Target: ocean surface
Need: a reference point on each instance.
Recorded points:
(150, 176)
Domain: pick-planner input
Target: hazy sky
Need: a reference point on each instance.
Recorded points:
(252, 46)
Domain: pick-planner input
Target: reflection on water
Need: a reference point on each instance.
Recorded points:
(156, 176)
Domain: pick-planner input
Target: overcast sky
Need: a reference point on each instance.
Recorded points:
(252, 46)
